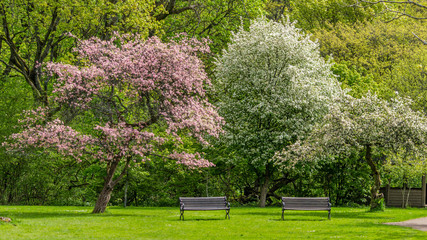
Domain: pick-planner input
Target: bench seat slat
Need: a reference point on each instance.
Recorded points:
(308, 204)
(307, 209)
(203, 204)
(203, 209)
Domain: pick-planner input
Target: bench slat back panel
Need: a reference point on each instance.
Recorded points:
(204, 203)
(306, 203)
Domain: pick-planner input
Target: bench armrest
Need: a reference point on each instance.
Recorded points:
(182, 206)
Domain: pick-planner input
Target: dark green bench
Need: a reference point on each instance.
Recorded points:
(306, 203)
(204, 204)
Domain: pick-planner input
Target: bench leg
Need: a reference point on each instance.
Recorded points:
(329, 214)
(283, 214)
(181, 217)
(227, 213)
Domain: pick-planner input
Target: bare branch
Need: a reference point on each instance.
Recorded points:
(423, 41)
(399, 12)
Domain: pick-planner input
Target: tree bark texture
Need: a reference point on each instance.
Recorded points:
(375, 189)
(103, 198)
(264, 188)
(109, 183)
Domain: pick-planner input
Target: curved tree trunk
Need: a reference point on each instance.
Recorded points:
(109, 183)
(375, 189)
(103, 198)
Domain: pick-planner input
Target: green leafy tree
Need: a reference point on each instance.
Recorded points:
(387, 53)
(409, 78)
(209, 18)
(213, 19)
(369, 126)
(33, 32)
(356, 84)
(392, 10)
(314, 14)
(274, 86)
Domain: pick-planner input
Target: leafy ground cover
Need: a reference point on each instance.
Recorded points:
(41, 222)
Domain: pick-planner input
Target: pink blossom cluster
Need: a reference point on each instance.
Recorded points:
(121, 141)
(34, 116)
(191, 160)
(75, 87)
(195, 115)
(54, 135)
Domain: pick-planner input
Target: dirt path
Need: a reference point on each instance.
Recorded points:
(418, 223)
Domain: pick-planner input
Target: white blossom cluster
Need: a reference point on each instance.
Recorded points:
(274, 85)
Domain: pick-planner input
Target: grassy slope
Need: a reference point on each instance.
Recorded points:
(37, 222)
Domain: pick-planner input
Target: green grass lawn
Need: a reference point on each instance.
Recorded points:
(39, 222)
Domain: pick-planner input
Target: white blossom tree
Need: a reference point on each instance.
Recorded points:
(371, 126)
(274, 86)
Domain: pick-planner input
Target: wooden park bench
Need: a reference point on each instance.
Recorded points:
(204, 204)
(306, 203)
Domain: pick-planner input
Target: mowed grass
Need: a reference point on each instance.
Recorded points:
(48, 222)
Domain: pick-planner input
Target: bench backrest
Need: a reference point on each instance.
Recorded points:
(203, 202)
(306, 203)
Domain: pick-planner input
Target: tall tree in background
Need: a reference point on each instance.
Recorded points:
(369, 126)
(391, 10)
(415, 9)
(33, 32)
(314, 14)
(386, 52)
(215, 19)
(273, 87)
(122, 95)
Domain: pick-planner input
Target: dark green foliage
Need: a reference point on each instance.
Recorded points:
(161, 182)
(380, 205)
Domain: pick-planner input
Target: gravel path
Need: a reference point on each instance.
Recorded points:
(418, 223)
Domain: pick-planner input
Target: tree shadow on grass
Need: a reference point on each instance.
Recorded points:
(35, 215)
(265, 213)
(357, 215)
(300, 220)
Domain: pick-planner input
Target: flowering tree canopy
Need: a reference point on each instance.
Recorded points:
(274, 87)
(119, 92)
(370, 125)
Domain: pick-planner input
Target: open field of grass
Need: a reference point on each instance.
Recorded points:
(40, 222)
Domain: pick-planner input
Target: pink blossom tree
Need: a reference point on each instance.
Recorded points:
(119, 92)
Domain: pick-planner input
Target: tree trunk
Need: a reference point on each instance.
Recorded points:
(407, 197)
(403, 195)
(103, 199)
(109, 183)
(375, 190)
(263, 194)
(105, 195)
(125, 201)
(264, 188)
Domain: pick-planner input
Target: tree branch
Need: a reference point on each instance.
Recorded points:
(170, 8)
(122, 174)
(423, 41)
